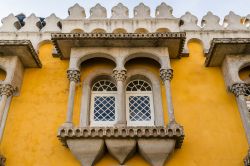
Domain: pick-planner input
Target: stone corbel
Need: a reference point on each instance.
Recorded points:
(154, 143)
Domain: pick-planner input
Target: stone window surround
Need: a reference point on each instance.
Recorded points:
(120, 56)
(155, 143)
(131, 74)
(15, 56)
(233, 54)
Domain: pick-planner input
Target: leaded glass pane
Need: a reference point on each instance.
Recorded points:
(104, 108)
(139, 108)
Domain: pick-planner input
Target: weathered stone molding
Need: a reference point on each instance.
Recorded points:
(119, 74)
(166, 74)
(73, 75)
(247, 159)
(121, 142)
(171, 131)
(238, 89)
(7, 90)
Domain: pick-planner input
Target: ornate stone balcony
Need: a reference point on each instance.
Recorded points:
(154, 144)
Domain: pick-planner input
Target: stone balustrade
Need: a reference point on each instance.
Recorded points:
(38, 30)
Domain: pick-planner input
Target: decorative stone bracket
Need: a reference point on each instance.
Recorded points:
(155, 144)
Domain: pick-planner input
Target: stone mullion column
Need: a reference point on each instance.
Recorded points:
(6, 90)
(239, 90)
(166, 76)
(120, 77)
(74, 77)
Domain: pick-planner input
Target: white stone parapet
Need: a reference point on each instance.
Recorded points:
(234, 26)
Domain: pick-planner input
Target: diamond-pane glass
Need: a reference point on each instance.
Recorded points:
(138, 85)
(104, 108)
(139, 108)
(104, 85)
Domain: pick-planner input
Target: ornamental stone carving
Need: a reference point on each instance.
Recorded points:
(76, 12)
(2, 160)
(189, 22)
(52, 24)
(166, 74)
(73, 75)
(98, 12)
(239, 89)
(10, 24)
(142, 11)
(7, 90)
(211, 22)
(119, 12)
(154, 143)
(233, 22)
(119, 75)
(164, 11)
(247, 159)
(32, 24)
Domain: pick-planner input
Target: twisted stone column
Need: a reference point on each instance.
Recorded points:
(6, 90)
(166, 76)
(120, 77)
(74, 77)
(239, 90)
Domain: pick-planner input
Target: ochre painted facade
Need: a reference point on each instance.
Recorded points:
(214, 135)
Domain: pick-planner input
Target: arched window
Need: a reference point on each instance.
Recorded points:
(139, 103)
(103, 96)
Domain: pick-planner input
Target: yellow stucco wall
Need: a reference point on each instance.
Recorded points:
(213, 131)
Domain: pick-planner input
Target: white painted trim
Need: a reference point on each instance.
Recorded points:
(140, 123)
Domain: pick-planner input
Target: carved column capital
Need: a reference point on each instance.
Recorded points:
(7, 90)
(247, 159)
(119, 74)
(166, 74)
(73, 75)
(238, 89)
(2, 160)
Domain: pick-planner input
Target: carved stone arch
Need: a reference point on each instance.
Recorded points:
(155, 83)
(98, 30)
(77, 30)
(162, 30)
(120, 30)
(86, 92)
(44, 42)
(90, 55)
(141, 30)
(244, 72)
(134, 55)
(3, 73)
(197, 41)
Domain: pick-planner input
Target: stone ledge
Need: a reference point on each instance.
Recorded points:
(65, 41)
(23, 49)
(175, 132)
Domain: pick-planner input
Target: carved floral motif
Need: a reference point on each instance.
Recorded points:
(119, 75)
(7, 90)
(166, 74)
(73, 75)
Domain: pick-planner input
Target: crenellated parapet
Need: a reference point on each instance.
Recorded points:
(38, 29)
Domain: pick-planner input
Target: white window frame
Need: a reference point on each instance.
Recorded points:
(100, 94)
(140, 93)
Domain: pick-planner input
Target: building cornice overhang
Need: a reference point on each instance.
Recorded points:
(65, 41)
(220, 47)
(23, 49)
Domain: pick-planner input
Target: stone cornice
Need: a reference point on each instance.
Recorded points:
(65, 41)
(172, 132)
(220, 47)
(21, 48)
